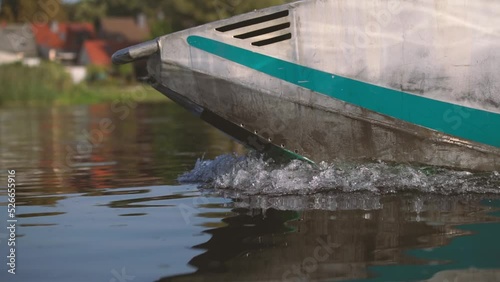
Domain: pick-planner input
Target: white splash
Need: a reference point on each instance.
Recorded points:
(252, 175)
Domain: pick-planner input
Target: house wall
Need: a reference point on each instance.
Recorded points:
(7, 58)
(77, 73)
(83, 58)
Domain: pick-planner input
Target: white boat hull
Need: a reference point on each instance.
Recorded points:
(397, 81)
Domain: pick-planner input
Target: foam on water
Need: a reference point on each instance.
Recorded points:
(252, 175)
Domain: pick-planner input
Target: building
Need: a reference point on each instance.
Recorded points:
(62, 41)
(78, 45)
(99, 51)
(123, 29)
(113, 34)
(17, 43)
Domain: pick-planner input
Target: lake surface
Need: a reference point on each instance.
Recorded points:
(147, 192)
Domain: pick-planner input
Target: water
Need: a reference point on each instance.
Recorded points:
(149, 193)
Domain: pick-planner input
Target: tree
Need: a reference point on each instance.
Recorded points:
(32, 11)
(183, 14)
(87, 10)
(91, 10)
(167, 16)
(10, 10)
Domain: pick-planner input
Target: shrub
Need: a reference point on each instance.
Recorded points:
(39, 84)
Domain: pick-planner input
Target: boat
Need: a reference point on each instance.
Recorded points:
(412, 82)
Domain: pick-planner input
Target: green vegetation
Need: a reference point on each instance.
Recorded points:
(50, 84)
(164, 16)
(167, 16)
(182, 14)
(29, 10)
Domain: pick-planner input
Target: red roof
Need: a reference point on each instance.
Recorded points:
(65, 37)
(46, 38)
(97, 52)
(100, 51)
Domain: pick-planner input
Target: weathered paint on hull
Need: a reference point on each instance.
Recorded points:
(399, 97)
(337, 132)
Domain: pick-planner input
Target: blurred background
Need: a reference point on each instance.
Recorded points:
(98, 156)
(56, 51)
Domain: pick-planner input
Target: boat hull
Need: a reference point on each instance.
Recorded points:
(330, 97)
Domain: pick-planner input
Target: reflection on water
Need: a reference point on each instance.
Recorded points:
(98, 200)
(346, 244)
(73, 149)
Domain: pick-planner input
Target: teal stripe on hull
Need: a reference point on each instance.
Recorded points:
(467, 123)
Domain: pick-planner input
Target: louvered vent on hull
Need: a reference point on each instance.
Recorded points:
(264, 30)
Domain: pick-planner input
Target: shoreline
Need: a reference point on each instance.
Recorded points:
(49, 84)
